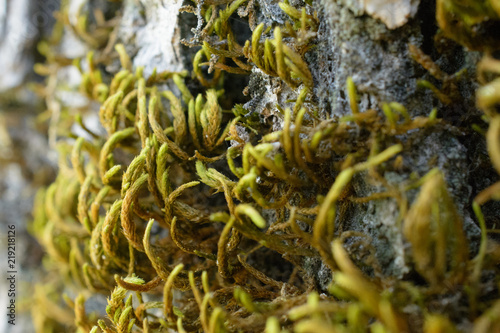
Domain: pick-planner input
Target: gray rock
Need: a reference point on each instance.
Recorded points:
(150, 29)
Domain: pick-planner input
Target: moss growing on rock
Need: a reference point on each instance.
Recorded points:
(337, 205)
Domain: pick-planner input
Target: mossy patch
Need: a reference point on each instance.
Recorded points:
(192, 216)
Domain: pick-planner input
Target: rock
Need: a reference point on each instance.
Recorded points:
(151, 30)
(22, 23)
(393, 13)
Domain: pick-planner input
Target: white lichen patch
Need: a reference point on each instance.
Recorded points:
(151, 27)
(394, 13)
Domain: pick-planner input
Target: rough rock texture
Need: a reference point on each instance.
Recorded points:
(350, 44)
(374, 56)
(379, 62)
(151, 30)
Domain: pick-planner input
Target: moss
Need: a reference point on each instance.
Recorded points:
(159, 214)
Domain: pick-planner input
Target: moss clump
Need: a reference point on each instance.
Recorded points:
(175, 210)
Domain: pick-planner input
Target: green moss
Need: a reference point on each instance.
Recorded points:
(159, 205)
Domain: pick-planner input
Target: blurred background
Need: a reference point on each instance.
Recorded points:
(27, 162)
